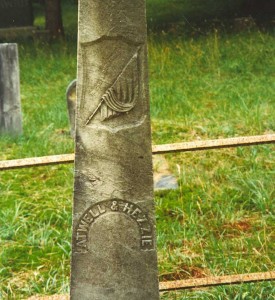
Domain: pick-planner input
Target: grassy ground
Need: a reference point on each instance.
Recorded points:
(220, 221)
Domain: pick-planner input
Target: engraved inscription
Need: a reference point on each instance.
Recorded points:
(110, 206)
(112, 95)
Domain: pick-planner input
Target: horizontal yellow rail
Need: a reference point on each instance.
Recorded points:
(214, 144)
(156, 149)
(216, 280)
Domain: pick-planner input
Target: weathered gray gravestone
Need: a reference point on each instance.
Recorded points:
(10, 105)
(114, 240)
(71, 105)
(15, 13)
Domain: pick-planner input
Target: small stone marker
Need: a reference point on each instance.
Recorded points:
(164, 179)
(10, 105)
(71, 104)
(15, 13)
(114, 240)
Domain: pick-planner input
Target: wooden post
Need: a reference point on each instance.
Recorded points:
(10, 106)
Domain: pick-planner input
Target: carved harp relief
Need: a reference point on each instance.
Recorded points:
(112, 84)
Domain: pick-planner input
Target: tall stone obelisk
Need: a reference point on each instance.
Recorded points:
(114, 240)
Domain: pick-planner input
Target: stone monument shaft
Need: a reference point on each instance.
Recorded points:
(114, 240)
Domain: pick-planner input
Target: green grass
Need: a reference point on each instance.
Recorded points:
(198, 85)
(220, 220)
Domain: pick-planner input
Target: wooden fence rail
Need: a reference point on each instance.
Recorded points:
(214, 144)
(156, 149)
(215, 280)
